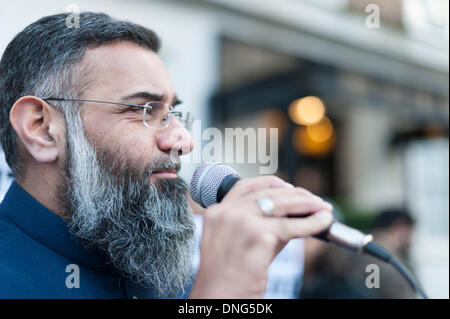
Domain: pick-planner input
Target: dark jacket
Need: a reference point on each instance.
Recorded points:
(39, 258)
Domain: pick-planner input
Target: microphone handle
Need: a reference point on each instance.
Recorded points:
(225, 186)
(345, 236)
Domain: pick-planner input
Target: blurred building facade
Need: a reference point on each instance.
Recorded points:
(383, 81)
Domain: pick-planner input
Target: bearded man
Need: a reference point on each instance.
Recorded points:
(97, 210)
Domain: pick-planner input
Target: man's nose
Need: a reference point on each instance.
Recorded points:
(175, 139)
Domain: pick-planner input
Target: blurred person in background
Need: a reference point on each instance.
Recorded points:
(392, 228)
(333, 272)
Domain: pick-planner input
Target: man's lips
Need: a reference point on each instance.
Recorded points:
(167, 173)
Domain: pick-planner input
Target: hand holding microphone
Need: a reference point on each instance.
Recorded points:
(239, 240)
(246, 225)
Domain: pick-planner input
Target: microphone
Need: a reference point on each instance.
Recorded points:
(212, 181)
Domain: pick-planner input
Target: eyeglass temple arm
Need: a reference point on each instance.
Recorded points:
(95, 101)
(50, 98)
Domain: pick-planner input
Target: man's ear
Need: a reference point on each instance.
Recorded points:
(39, 127)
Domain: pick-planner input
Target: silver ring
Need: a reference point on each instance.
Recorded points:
(266, 205)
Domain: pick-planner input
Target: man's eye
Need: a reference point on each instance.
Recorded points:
(133, 109)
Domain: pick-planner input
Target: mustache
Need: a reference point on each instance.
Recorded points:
(164, 165)
(118, 165)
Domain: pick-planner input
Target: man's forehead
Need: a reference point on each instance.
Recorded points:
(123, 67)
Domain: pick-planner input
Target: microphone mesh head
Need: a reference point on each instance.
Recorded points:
(206, 181)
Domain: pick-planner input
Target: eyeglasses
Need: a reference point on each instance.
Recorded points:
(155, 114)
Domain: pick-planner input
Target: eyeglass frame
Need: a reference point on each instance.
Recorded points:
(177, 114)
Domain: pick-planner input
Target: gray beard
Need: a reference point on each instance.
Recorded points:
(146, 231)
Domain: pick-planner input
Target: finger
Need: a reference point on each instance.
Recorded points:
(291, 201)
(298, 206)
(302, 227)
(247, 185)
(304, 191)
(307, 192)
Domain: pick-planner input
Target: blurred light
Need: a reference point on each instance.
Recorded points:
(307, 110)
(320, 131)
(305, 145)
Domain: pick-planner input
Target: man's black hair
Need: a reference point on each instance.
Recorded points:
(388, 217)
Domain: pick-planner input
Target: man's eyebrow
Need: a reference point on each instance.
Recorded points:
(152, 97)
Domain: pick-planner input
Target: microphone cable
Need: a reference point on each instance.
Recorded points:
(379, 252)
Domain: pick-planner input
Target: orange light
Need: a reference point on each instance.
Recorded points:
(304, 144)
(321, 131)
(307, 110)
